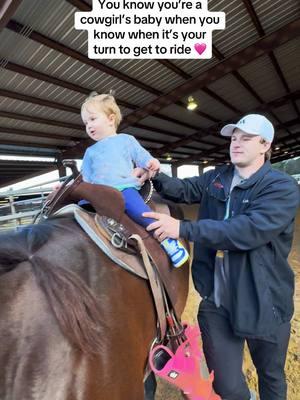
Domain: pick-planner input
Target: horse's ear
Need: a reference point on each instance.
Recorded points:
(16, 247)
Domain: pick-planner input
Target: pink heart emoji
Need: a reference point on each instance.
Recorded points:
(200, 47)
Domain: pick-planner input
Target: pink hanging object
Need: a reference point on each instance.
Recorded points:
(182, 368)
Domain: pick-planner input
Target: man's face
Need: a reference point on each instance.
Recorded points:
(247, 150)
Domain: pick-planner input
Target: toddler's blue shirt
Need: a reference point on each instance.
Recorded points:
(110, 161)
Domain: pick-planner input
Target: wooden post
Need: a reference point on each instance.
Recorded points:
(174, 170)
(200, 169)
(13, 209)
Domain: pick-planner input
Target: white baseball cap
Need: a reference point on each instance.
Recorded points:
(253, 124)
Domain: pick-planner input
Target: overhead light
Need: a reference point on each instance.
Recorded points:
(192, 104)
(205, 162)
(169, 157)
(286, 152)
(277, 148)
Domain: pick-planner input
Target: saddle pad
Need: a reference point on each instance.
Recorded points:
(131, 263)
(67, 210)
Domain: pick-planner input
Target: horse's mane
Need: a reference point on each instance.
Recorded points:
(73, 303)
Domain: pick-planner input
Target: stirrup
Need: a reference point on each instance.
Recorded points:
(182, 368)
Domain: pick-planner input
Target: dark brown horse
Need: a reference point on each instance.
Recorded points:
(73, 325)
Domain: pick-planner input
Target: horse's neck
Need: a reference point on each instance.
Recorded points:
(160, 207)
(40, 361)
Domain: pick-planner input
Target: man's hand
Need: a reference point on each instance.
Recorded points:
(165, 226)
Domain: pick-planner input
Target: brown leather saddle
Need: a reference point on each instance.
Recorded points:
(115, 223)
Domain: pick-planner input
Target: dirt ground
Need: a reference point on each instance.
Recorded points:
(168, 392)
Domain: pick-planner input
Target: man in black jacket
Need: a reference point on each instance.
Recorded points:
(242, 239)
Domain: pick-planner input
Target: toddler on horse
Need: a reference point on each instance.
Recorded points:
(111, 160)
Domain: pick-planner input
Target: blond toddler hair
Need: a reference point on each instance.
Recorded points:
(105, 103)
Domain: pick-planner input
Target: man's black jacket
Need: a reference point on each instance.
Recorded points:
(257, 234)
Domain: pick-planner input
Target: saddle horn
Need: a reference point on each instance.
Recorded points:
(69, 163)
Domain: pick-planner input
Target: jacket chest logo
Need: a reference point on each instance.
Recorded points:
(218, 185)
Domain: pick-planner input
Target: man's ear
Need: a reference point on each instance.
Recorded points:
(267, 146)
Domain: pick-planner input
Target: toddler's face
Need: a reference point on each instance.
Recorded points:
(98, 125)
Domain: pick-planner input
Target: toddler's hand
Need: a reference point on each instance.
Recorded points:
(57, 186)
(153, 167)
(141, 174)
